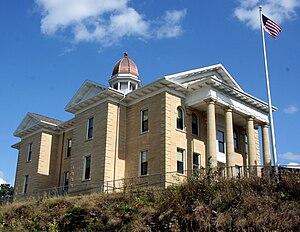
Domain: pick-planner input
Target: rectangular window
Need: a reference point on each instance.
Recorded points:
(66, 181)
(221, 141)
(144, 119)
(236, 139)
(238, 171)
(180, 160)
(87, 168)
(246, 144)
(144, 163)
(196, 161)
(90, 128)
(69, 147)
(29, 152)
(26, 184)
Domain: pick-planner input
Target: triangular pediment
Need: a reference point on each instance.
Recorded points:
(192, 77)
(88, 90)
(31, 120)
(28, 122)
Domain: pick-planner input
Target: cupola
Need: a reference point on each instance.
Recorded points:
(125, 75)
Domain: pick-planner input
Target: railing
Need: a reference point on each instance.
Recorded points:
(163, 180)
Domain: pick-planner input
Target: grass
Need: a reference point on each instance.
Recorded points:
(252, 204)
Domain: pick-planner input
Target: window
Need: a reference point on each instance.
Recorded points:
(144, 163)
(26, 184)
(221, 141)
(87, 168)
(90, 128)
(144, 120)
(180, 160)
(246, 144)
(66, 181)
(236, 139)
(195, 124)
(132, 86)
(238, 171)
(29, 152)
(69, 147)
(115, 86)
(179, 118)
(196, 161)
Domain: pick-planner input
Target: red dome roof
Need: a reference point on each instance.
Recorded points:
(125, 66)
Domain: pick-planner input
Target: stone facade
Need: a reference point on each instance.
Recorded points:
(181, 122)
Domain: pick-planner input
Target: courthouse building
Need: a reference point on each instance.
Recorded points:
(182, 121)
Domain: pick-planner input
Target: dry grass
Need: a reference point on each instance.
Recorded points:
(198, 205)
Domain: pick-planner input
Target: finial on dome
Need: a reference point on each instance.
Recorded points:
(125, 54)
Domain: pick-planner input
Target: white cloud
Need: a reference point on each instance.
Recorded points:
(2, 181)
(170, 25)
(290, 156)
(104, 21)
(67, 50)
(290, 110)
(293, 165)
(278, 10)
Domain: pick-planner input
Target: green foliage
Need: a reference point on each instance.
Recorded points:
(202, 203)
(6, 190)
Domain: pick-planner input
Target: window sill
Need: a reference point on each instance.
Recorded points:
(86, 180)
(146, 175)
(89, 139)
(67, 157)
(28, 161)
(182, 131)
(145, 132)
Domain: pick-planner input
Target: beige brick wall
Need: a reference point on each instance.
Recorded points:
(152, 141)
(43, 165)
(65, 161)
(83, 147)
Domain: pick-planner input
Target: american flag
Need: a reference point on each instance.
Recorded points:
(271, 27)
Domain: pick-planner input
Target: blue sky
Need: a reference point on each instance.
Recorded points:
(49, 47)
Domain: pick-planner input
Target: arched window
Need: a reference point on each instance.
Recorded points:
(180, 118)
(195, 124)
(235, 139)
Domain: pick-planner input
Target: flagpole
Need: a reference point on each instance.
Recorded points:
(274, 152)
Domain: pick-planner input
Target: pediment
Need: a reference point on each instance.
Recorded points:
(88, 90)
(192, 77)
(31, 120)
(28, 122)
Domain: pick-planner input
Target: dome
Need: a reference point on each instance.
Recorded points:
(125, 66)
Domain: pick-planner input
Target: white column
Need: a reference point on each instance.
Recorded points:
(251, 146)
(230, 163)
(211, 133)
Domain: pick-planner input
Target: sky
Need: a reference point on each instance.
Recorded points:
(48, 48)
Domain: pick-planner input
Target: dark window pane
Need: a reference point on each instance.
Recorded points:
(90, 128)
(87, 168)
(179, 118)
(144, 120)
(195, 124)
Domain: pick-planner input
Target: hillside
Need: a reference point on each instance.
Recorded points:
(198, 205)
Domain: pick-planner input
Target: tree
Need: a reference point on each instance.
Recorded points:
(6, 190)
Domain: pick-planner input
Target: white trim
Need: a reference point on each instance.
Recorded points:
(39, 131)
